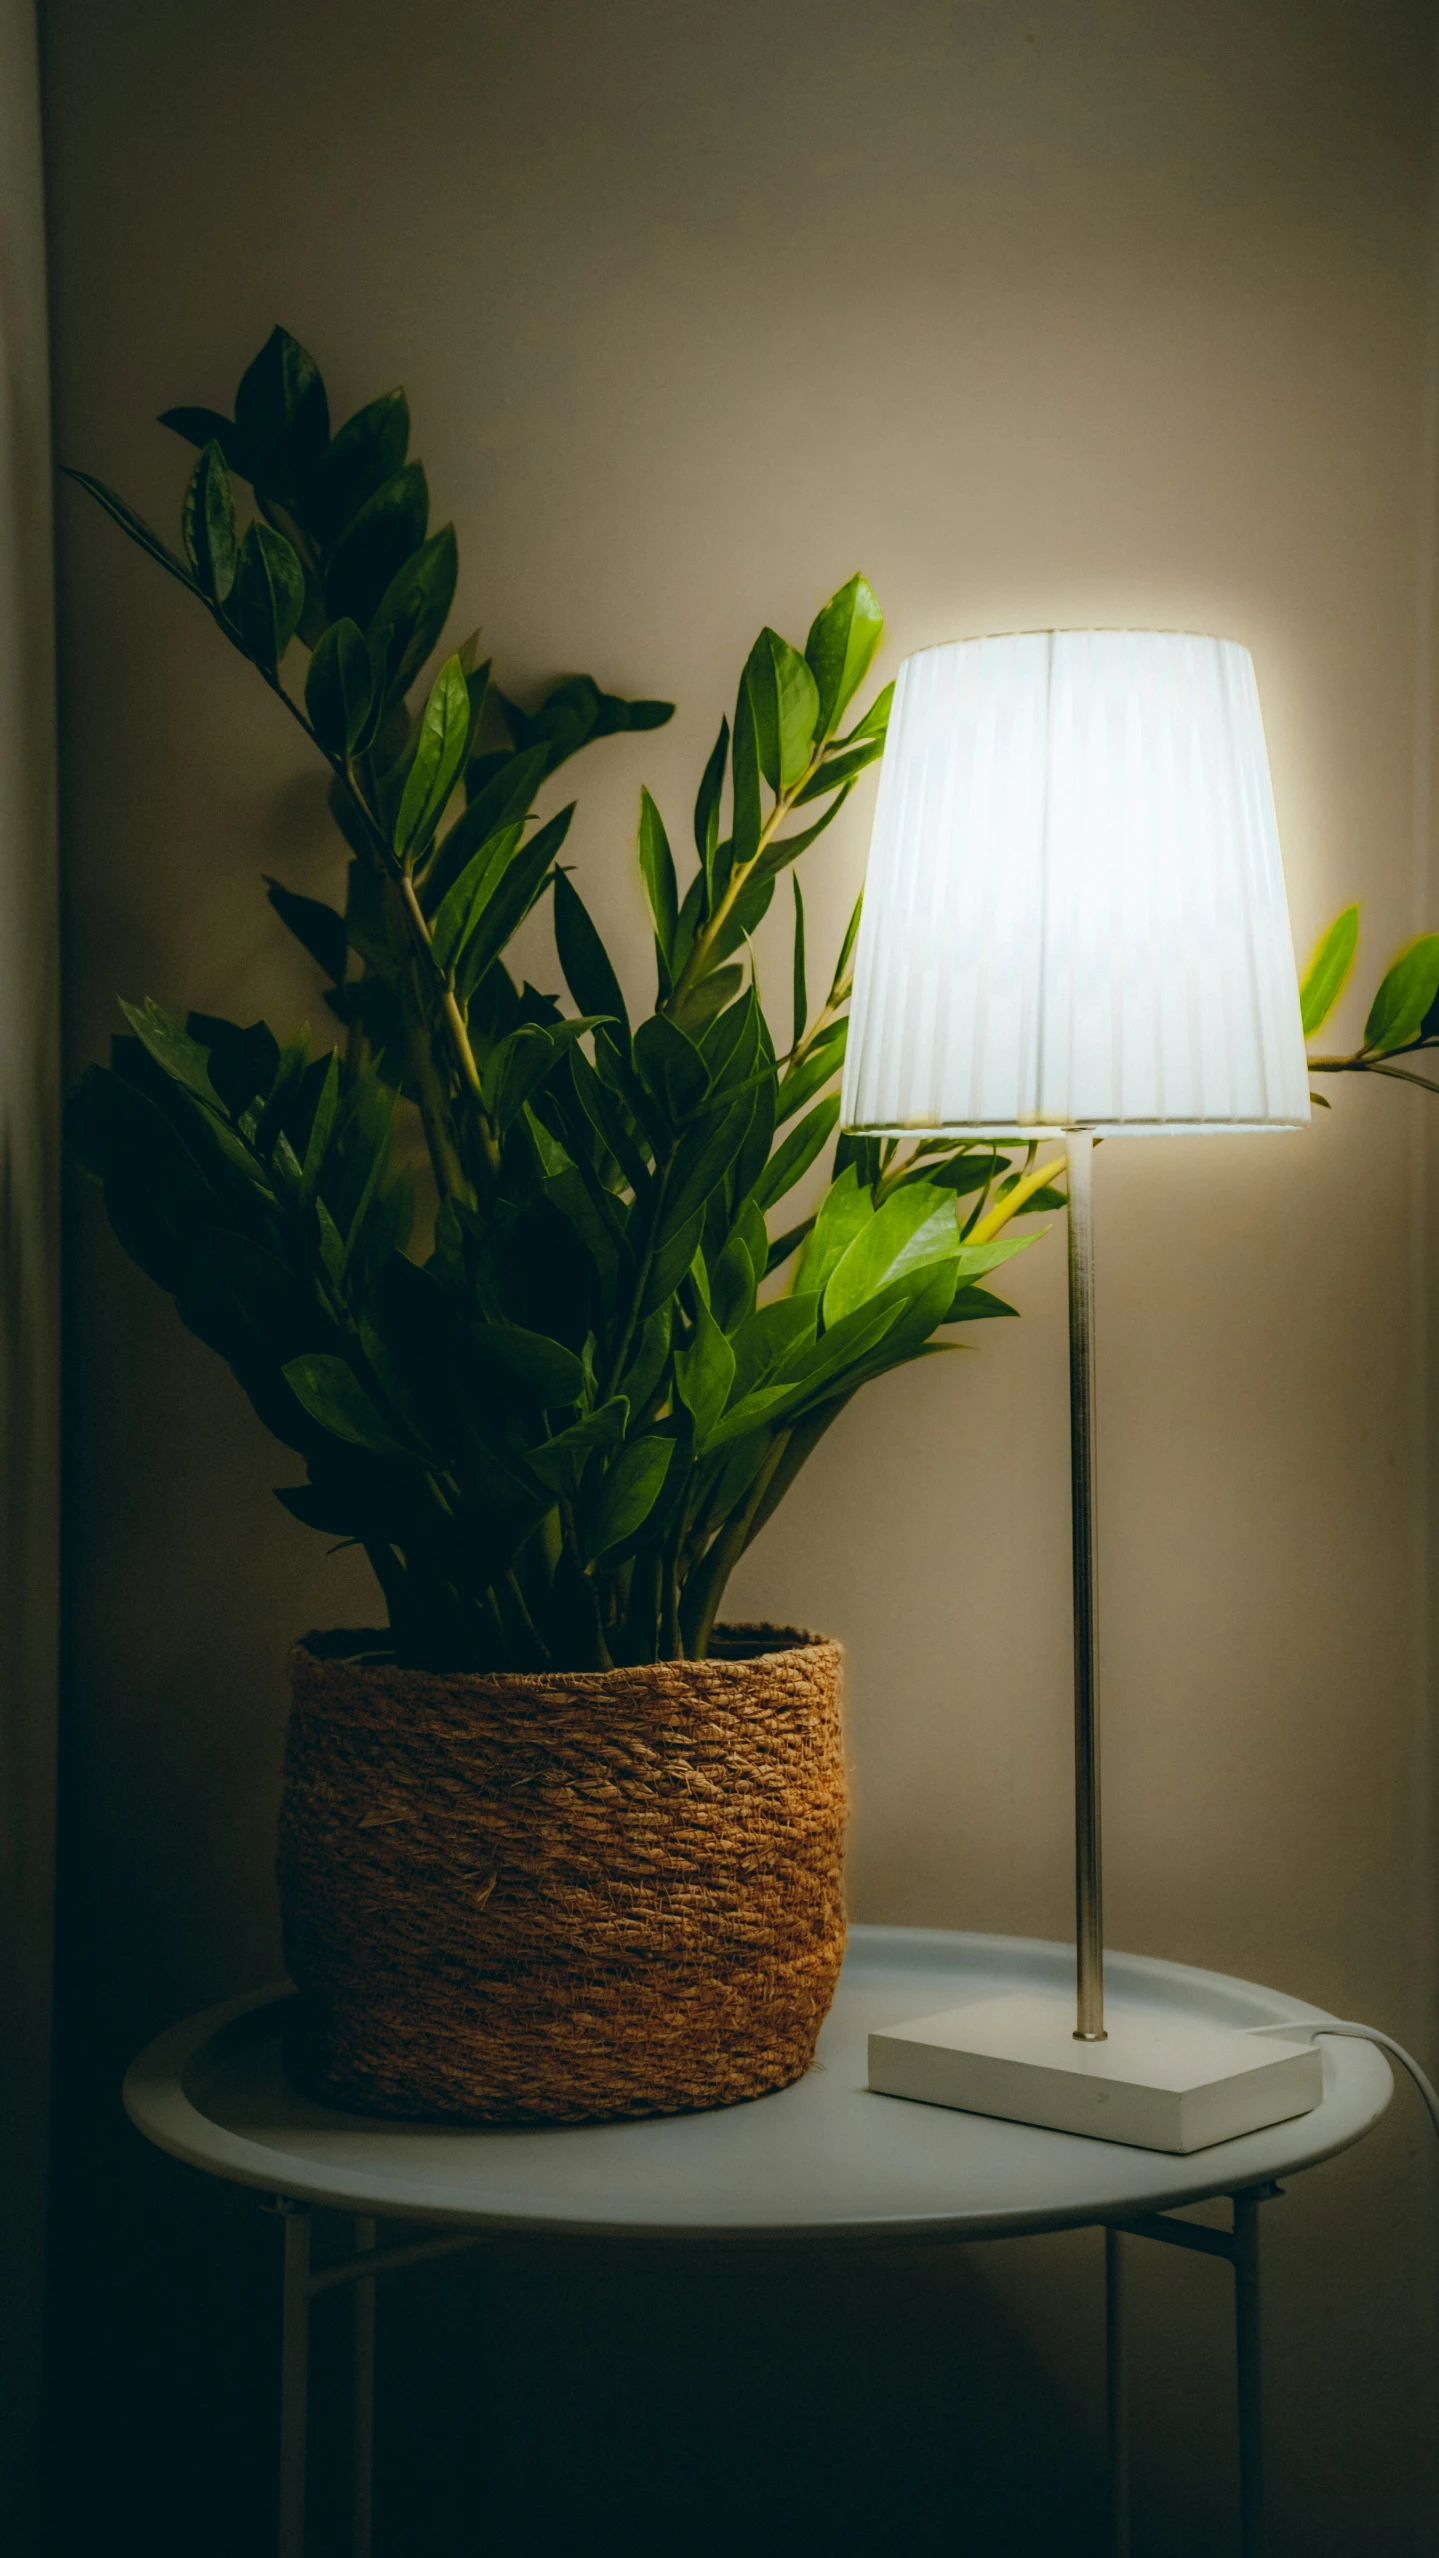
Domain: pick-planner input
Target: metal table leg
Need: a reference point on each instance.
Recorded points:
(1116, 2344)
(364, 2424)
(294, 2380)
(1248, 2366)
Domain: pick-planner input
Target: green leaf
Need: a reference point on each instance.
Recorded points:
(628, 1492)
(799, 1083)
(672, 1068)
(875, 721)
(971, 1305)
(841, 643)
(732, 1296)
(704, 1373)
(332, 1394)
(1405, 994)
(657, 865)
(268, 596)
(208, 523)
(839, 769)
(366, 452)
(133, 524)
(785, 700)
(502, 802)
(281, 413)
(791, 1161)
(584, 958)
(439, 753)
(845, 1210)
(183, 1058)
(376, 545)
(321, 1127)
(772, 1336)
(1327, 970)
(747, 815)
(507, 901)
(339, 687)
(914, 1226)
(787, 848)
(462, 905)
(412, 612)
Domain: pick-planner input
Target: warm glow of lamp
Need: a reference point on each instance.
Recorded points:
(1075, 924)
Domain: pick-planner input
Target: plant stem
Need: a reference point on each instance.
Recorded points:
(706, 1586)
(696, 965)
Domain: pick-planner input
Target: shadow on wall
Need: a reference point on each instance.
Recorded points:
(543, 2397)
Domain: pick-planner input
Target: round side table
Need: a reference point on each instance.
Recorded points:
(825, 2161)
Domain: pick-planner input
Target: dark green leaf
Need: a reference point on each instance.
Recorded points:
(732, 1290)
(339, 687)
(559, 1462)
(801, 991)
(376, 545)
(508, 900)
(658, 867)
(1406, 992)
(552, 1374)
(503, 802)
(133, 524)
(792, 1160)
(182, 1057)
(672, 1068)
(707, 805)
(332, 1394)
(461, 907)
(366, 452)
(800, 1082)
(241, 1064)
(841, 643)
(268, 596)
(281, 413)
(206, 426)
(584, 958)
(748, 815)
(208, 523)
(412, 612)
(971, 1305)
(628, 1492)
(707, 996)
(704, 1373)
(1327, 970)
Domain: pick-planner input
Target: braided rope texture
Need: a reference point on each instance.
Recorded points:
(561, 1897)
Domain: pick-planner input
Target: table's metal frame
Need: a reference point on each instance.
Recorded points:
(1238, 2246)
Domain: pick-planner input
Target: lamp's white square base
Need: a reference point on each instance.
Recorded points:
(1155, 2082)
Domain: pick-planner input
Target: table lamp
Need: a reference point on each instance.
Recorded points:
(1075, 926)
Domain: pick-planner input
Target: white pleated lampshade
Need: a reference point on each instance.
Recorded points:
(1074, 915)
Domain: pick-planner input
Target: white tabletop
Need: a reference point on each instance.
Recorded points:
(823, 2159)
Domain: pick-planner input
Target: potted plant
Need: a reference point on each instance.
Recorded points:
(525, 1289)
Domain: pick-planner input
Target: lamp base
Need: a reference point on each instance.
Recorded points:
(1155, 2082)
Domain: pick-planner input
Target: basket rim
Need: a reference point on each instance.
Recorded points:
(368, 1651)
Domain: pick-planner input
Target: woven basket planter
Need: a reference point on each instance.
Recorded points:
(554, 1898)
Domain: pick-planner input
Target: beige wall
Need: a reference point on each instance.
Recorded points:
(1082, 311)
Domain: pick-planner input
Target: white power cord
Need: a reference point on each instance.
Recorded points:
(1313, 2028)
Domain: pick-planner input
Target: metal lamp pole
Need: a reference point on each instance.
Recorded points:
(1088, 1869)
